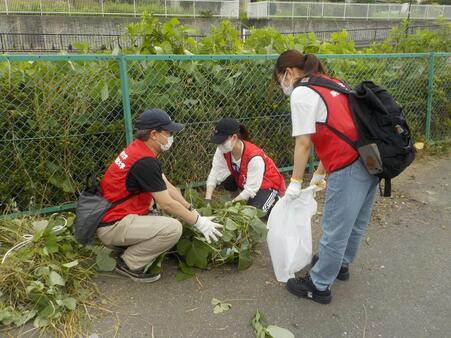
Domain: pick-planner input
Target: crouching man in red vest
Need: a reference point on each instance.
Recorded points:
(240, 165)
(137, 172)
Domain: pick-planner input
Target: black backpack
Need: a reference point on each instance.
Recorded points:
(384, 140)
(91, 207)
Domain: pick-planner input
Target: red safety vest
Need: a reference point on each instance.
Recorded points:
(113, 184)
(334, 152)
(272, 178)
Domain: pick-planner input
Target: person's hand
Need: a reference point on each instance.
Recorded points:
(208, 228)
(318, 180)
(294, 189)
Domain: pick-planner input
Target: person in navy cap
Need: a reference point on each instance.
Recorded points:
(243, 167)
(136, 179)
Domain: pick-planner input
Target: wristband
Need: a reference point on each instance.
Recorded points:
(295, 180)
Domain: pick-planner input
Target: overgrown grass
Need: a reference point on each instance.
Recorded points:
(49, 280)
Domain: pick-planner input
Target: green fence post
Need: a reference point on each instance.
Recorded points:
(125, 99)
(430, 89)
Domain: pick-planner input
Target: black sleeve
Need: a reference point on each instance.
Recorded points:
(145, 175)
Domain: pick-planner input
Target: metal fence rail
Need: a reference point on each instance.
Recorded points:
(64, 116)
(37, 42)
(180, 8)
(290, 9)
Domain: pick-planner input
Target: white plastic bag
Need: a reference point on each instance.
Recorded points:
(290, 234)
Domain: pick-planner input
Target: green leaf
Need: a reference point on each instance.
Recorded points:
(68, 186)
(181, 276)
(197, 254)
(183, 246)
(186, 269)
(104, 261)
(244, 260)
(47, 311)
(206, 211)
(40, 225)
(42, 271)
(40, 322)
(70, 303)
(249, 211)
(156, 265)
(258, 322)
(226, 236)
(71, 264)
(51, 242)
(230, 225)
(279, 332)
(56, 279)
(24, 317)
(258, 226)
(220, 306)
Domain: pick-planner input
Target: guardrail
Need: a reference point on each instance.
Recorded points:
(166, 8)
(285, 9)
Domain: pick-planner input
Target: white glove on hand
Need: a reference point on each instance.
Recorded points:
(293, 190)
(318, 180)
(208, 228)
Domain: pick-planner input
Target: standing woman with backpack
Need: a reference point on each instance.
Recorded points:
(322, 117)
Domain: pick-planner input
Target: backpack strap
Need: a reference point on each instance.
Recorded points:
(122, 200)
(322, 82)
(387, 187)
(326, 83)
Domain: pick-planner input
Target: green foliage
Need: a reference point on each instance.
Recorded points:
(243, 231)
(156, 38)
(47, 279)
(220, 306)
(263, 330)
(64, 120)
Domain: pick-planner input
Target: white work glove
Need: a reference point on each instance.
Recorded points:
(294, 190)
(208, 228)
(318, 180)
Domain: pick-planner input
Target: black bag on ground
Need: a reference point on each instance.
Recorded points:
(91, 207)
(384, 140)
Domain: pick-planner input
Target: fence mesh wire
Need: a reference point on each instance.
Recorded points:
(65, 119)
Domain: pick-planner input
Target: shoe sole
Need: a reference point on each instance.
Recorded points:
(139, 280)
(310, 295)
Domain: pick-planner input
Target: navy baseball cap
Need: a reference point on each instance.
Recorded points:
(223, 129)
(156, 118)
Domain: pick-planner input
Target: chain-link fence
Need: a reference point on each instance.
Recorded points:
(64, 117)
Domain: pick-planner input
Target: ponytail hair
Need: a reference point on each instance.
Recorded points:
(308, 63)
(244, 133)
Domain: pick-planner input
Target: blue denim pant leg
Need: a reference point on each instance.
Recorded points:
(360, 225)
(347, 196)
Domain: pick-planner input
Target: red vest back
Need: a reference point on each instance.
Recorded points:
(113, 184)
(272, 178)
(333, 151)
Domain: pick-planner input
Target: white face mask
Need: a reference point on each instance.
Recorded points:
(165, 147)
(226, 147)
(287, 90)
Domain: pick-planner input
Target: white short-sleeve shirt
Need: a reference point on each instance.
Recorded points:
(307, 108)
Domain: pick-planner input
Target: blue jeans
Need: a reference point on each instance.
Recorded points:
(349, 200)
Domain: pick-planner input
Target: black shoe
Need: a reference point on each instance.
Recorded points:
(137, 275)
(304, 287)
(343, 274)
